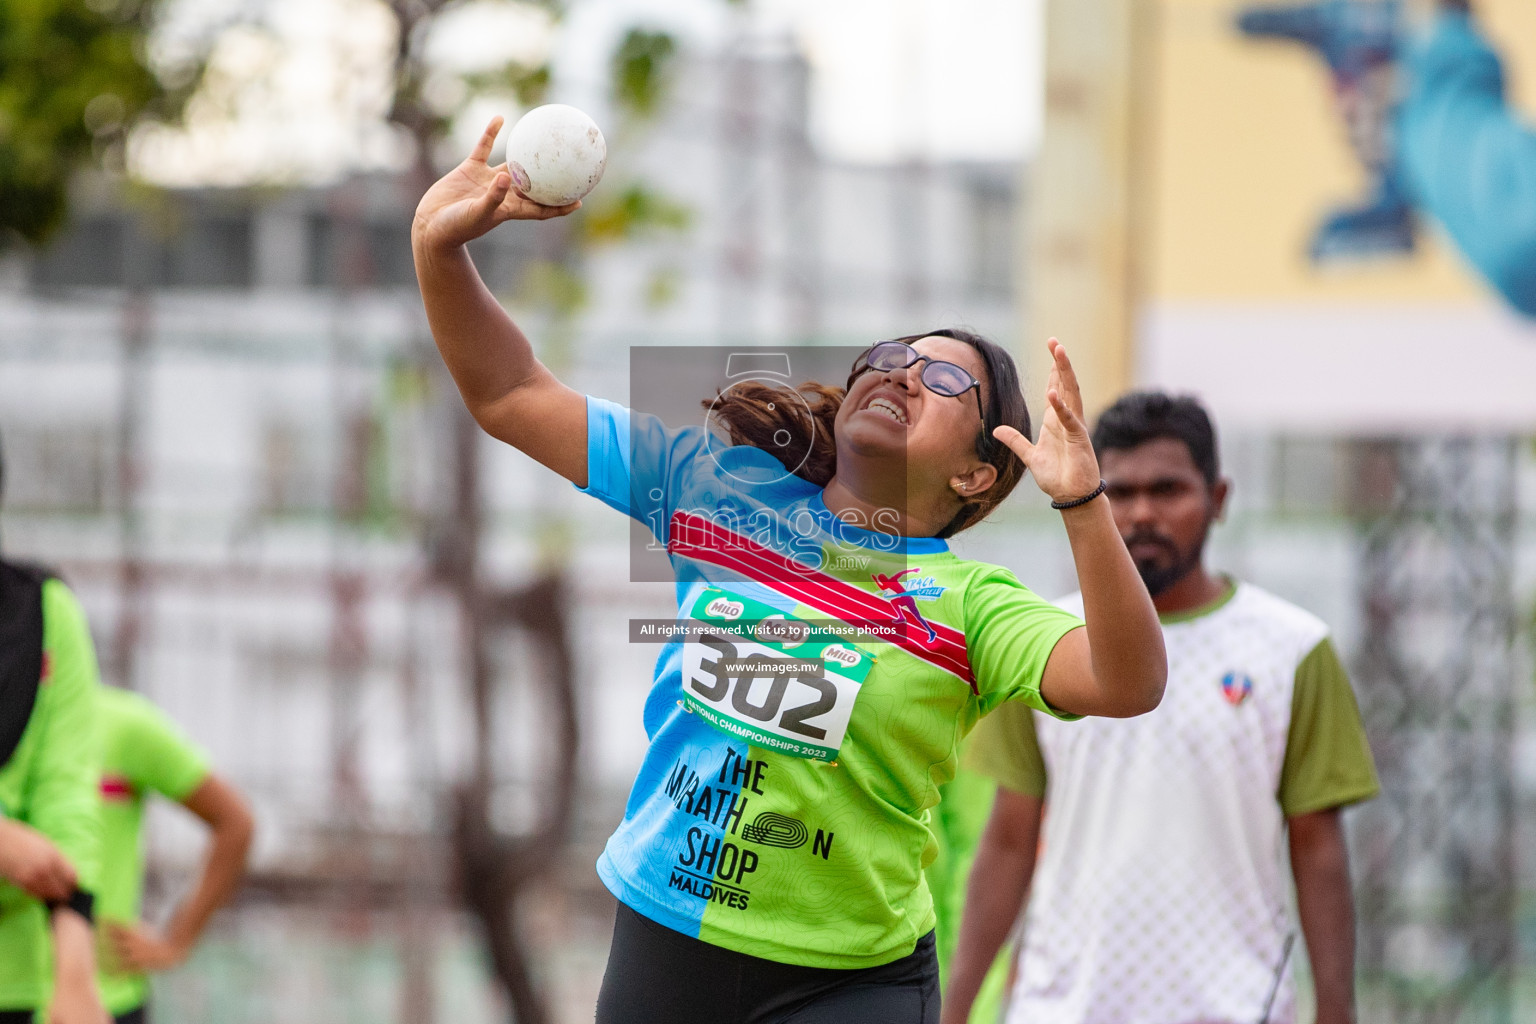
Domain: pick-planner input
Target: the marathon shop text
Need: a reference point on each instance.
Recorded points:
(715, 868)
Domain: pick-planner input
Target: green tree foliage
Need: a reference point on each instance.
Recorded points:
(633, 211)
(640, 71)
(74, 79)
(427, 119)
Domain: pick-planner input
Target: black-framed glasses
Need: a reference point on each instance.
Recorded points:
(938, 375)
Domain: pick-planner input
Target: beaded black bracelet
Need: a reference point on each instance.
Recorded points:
(1059, 505)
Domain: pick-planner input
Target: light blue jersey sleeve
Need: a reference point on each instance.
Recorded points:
(637, 464)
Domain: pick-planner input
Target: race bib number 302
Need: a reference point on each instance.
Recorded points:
(768, 678)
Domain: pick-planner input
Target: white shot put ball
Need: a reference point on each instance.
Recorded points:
(556, 154)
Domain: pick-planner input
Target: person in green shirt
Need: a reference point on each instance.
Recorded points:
(49, 855)
(143, 752)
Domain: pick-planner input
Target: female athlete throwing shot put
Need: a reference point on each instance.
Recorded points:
(769, 867)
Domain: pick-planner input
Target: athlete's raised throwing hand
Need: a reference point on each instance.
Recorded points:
(508, 391)
(1062, 460)
(474, 197)
(1117, 666)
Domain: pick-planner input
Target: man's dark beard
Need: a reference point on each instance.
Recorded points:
(1158, 578)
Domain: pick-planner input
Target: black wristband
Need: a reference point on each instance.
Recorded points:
(1085, 499)
(80, 901)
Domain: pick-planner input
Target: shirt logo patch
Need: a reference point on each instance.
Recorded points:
(773, 829)
(903, 600)
(116, 787)
(1236, 686)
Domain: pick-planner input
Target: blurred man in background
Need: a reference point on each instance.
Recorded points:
(1161, 895)
(143, 752)
(49, 830)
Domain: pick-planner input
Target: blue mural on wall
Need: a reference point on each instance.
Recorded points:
(1426, 114)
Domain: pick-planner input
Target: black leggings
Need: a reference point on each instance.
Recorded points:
(659, 976)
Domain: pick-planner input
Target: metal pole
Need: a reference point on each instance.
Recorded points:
(132, 583)
(1085, 190)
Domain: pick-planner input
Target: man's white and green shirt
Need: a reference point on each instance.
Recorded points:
(1161, 894)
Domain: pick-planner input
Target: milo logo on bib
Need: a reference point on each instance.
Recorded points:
(769, 678)
(724, 608)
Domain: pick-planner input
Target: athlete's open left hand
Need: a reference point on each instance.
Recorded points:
(1062, 460)
(139, 949)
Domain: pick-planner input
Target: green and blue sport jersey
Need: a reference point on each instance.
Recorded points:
(809, 707)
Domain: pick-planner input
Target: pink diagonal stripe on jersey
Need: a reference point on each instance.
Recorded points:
(708, 537)
(700, 538)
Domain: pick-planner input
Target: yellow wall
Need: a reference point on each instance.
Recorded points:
(1243, 155)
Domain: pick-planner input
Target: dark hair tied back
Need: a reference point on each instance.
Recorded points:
(760, 415)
